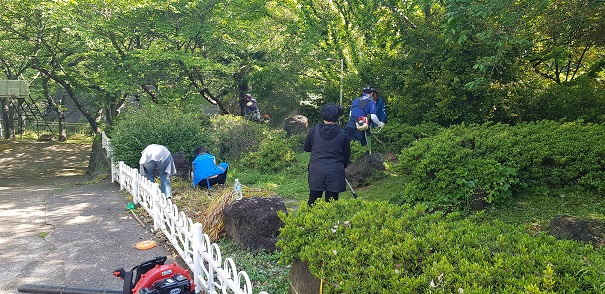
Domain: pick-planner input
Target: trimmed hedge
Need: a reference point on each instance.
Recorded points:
(375, 247)
(446, 169)
(134, 129)
(235, 136)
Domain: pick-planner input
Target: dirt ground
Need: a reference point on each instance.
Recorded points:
(35, 163)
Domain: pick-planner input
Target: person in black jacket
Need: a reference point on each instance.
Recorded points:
(330, 153)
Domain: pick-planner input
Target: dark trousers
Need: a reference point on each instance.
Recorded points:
(220, 179)
(314, 195)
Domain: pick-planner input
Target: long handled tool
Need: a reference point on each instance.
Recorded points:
(350, 187)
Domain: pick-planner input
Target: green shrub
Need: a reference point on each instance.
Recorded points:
(446, 169)
(134, 129)
(273, 156)
(374, 247)
(296, 142)
(396, 136)
(580, 99)
(235, 136)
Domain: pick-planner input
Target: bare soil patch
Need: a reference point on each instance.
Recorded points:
(36, 163)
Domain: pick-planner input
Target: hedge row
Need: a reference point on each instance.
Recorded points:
(446, 169)
(375, 247)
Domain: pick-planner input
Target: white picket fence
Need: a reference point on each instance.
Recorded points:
(203, 258)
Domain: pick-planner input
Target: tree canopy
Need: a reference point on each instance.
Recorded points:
(434, 61)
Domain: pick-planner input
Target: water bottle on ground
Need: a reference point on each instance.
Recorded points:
(238, 189)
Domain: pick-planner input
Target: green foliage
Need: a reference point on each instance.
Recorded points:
(396, 136)
(581, 99)
(262, 268)
(357, 151)
(137, 128)
(273, 156)
(374, 247)
(445, 170)
(235, 136)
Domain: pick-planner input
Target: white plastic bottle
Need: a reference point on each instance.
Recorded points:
(238, 189)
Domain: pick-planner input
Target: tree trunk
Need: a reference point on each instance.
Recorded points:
(93, 124)
(21, 115)
(91, 121)
(8, 117)
(58, 108)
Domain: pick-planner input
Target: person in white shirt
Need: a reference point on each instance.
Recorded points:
(157, 156)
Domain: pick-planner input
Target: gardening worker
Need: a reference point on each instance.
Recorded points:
(330, 151)
(252, 110)
(363, 109)
(157, 156)
(206, 172)
(381, 108)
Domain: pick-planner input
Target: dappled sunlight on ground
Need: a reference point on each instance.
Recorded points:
(41, 160)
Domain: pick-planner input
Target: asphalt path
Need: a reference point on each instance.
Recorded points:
(60, 227)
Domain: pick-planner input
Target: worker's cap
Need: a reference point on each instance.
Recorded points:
(199, 150)
(330, 112)
(368, 90)
(248, 96)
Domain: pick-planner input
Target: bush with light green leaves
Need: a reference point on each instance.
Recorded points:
(356, 246)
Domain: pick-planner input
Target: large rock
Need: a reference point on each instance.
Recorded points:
(578, 229)
(253, 222)
(296, 125)
(360, 172)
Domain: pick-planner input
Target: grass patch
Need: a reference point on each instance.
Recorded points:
(535, 209)
(262, 268)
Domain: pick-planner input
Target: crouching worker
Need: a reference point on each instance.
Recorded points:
(206, 172)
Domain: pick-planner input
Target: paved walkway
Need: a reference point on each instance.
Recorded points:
(54, 230)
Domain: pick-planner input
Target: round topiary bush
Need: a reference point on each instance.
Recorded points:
(235, 136)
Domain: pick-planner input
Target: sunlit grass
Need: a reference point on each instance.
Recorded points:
(31, 136)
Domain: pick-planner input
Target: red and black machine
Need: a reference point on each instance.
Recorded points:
(149, 277)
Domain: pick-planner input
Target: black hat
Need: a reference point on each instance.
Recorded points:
(368, 89)
(199, 150)
(330, 112)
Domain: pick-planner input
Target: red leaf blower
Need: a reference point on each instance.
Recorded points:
(150, 277)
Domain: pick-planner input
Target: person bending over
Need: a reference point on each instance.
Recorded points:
(157, 156)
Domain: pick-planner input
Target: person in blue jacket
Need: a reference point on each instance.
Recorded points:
(362, 106)
(206, 172)
(381, 108)
(252, 110)
(330, 154)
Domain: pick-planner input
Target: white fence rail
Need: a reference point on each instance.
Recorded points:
(211, 273)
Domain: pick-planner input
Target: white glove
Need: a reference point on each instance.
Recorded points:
(380, 124)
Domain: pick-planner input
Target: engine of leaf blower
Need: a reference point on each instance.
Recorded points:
(155, 277)
(174, 285)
